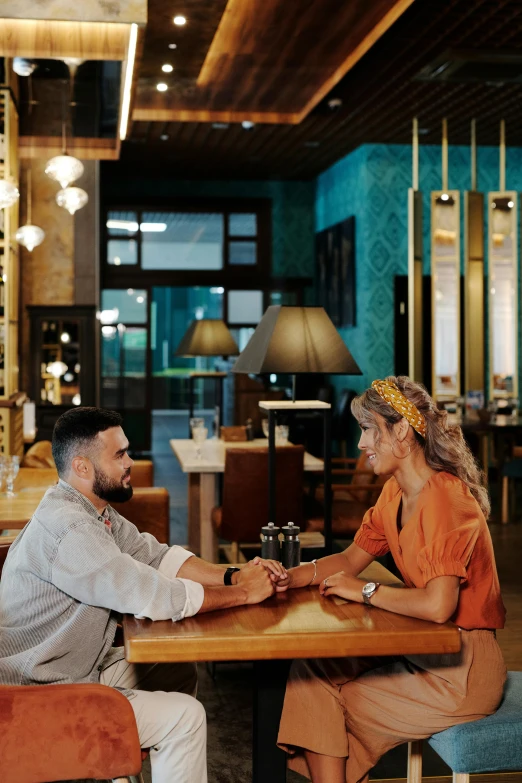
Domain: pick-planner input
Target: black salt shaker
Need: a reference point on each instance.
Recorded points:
(270, 546)
(291, 549)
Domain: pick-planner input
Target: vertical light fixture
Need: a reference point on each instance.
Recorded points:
(127, 87)
(65, 168)
(28, 235)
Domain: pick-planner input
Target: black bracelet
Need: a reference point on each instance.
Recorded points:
(227, 577)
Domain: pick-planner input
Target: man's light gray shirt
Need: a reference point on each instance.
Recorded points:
(68, 576)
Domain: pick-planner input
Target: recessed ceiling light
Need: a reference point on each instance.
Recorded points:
(173, 46)
(162, 87)
(179, 20)
(167, 68)
(511, 204)
(220, 125)
(164, 137)
(444, 197)
(312, 144)
(247, 124)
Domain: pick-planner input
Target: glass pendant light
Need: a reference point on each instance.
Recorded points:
(64, 168)
(9, 194)
(72, 199)
(29, 236)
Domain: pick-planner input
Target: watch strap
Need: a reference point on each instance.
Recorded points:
(227, 577)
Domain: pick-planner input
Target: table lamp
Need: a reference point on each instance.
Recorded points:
(298, 340)
(207, 337)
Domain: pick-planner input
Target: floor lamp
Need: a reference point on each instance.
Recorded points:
(297, 340)
(207, 337)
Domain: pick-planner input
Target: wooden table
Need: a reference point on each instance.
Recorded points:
(16, 511)
(296, 624)
(202, 486)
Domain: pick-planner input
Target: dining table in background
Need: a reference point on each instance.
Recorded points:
(290, 625)
(203, 475)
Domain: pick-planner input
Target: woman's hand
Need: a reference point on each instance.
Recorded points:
(343, 585)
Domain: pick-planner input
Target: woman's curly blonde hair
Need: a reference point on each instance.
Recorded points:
(444, 446)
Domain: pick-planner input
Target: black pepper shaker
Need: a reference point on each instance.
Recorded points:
(270, 546)
(291, 548)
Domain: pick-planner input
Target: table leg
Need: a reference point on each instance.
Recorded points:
(268, 761)
(207, 501)
(194, 537)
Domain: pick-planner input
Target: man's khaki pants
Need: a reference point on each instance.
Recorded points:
(170, 720)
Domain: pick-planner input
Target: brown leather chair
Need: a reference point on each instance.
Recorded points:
(40, 455)
(148, 509)
(67, 732)
(245, 493)
(354, 490)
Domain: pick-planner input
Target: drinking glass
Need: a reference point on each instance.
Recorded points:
(199, 436)
(264, 424)
(12, 466)
(281, 434)
(196, 422)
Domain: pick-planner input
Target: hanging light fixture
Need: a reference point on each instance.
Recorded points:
(72, 199)
(9, 194)
(29, 236)
(64, 168)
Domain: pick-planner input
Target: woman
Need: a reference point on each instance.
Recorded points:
(341, 715)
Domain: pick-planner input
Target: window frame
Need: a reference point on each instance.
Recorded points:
(229, 276)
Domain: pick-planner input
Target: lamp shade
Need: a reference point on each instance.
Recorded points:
(296, 340)
(207, 337)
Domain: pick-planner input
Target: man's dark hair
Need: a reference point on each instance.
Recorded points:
(75, 431)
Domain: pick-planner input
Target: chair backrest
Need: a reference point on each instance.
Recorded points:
(237, 434)
(40, 455)
(66, 732)
(148, 509)
(245, 491)
(142, 474)
(363, 475)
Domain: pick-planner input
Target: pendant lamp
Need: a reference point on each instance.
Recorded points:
(29, 236)
(65, 168)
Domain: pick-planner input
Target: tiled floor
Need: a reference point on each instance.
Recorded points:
(228, 697)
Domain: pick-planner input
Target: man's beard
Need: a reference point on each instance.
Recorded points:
(110, 490)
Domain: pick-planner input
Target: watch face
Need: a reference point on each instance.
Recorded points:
(369, 588)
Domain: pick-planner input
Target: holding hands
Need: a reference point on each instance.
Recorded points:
(261, 579)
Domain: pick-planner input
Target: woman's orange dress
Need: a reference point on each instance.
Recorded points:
(362, 707)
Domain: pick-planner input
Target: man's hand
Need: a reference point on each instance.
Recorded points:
(343, 585)
(256, 581)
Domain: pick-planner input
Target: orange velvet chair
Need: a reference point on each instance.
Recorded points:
(67, 732)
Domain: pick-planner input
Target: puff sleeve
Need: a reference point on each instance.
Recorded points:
(371, 536)
(451, 527)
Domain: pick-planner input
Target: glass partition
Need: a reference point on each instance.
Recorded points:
(503, 285)
(445, 297)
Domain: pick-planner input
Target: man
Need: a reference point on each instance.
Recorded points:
(78, 564)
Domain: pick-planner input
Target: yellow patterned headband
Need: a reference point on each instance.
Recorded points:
(391, 394)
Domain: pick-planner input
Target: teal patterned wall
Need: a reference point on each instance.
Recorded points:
(292, 209)
(372, 184)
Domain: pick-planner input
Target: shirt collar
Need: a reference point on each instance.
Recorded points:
(85, 502)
